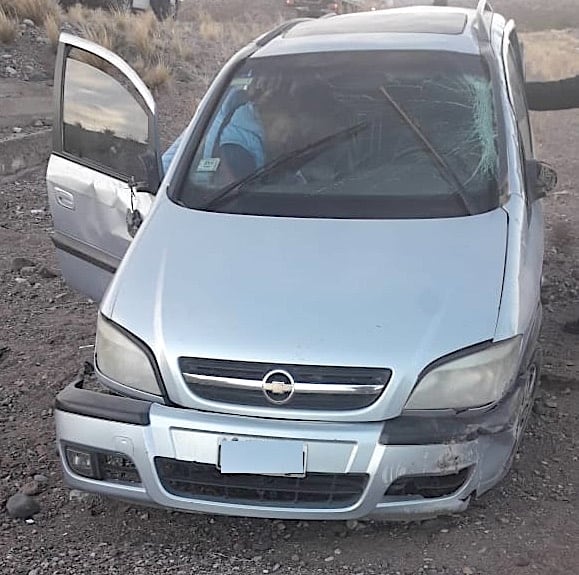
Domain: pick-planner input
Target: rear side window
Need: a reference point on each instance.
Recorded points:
(382, 134)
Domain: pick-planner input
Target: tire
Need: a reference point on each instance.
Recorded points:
(164, 9)
(534, 372)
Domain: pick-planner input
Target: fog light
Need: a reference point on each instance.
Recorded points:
(101, 465)
(81, 462)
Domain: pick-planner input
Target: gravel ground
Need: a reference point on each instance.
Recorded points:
(527, 525)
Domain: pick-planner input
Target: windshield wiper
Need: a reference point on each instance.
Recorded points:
(446, 171)
(311, 150)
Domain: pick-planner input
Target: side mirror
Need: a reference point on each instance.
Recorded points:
(541, 179)
(151, 171)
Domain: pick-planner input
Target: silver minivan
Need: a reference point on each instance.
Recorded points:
(323, 302)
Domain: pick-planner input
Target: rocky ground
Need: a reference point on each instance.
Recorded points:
(527, 525)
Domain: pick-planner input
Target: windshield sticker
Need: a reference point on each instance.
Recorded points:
(208, 165)
(241, 82)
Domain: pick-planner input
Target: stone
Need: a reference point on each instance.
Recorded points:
(28, 22)
(11, 71)
(47, 273)
(21, 506)
(522, 561)
(78, 495)
(40, 478)
(352, 524)
(18, 263)
(31, 488)
(17, 130)
(27, 271)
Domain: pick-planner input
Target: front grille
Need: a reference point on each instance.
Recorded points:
(316, 387)
(428, 486)
(205, 482)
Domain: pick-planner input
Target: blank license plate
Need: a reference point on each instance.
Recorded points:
(262, 457)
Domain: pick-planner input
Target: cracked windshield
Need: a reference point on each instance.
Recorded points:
(350, 135)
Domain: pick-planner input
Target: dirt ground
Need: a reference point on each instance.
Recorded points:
(529, 524)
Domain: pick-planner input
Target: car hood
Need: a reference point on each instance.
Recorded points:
(391, 293)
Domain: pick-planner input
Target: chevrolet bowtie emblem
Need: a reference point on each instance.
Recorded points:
(278, 386)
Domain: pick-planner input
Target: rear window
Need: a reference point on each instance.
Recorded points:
(385, 134)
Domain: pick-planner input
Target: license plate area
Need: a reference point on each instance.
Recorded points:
(273, 457)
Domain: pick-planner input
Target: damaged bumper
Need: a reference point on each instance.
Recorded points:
(411, 467)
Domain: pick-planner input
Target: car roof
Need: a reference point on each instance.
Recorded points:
(415, 28)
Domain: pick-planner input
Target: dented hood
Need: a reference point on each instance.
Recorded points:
(394, 293)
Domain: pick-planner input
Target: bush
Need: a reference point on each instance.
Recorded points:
(8, 28)
(35, 10)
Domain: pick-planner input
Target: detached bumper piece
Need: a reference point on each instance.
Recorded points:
(202, 481)
(75, 399)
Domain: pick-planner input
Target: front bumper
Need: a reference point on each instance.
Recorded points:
(146, 433)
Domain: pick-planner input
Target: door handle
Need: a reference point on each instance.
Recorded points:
(64, 198)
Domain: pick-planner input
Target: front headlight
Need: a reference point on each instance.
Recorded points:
(474, 380)
(122, 360)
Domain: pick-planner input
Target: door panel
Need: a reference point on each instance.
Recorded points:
(104, 137)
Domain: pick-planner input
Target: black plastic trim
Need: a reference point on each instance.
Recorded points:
(85, 252)
(74, 399)
(433, 429)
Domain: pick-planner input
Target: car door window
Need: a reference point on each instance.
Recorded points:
(114, 139)
(518, 97)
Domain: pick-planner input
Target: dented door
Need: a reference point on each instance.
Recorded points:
(105, 164)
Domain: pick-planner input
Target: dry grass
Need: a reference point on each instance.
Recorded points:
(207, 32)
(147, 45)
(233, 32)
(210, 30)
(77, 14)
(52, 29)
(35, 10)
(551, 55)
(156, 75)
(8, 28)
(143, 34)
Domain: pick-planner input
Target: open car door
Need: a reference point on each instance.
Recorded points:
(105, 165)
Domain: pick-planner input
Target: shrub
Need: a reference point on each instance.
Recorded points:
(35, 10)
(8, 28)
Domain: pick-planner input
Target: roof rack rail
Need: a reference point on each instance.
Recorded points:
(278, 30)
